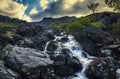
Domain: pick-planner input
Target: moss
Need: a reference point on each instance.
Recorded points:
(84, 20)
(75, 27)
(55, 26)
(97, 24)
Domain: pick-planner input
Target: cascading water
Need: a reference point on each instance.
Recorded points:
(75, 51)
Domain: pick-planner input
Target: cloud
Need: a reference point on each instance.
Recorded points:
(50, 8)
(68, 8)
(44, 4)
(13, 9)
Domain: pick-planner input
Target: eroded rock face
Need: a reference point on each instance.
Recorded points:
(7, 73)
(25, 60)
(102, 68)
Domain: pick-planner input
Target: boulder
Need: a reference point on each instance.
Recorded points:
(99, 36)
(87, 44)
(93, 40)
(102, 68)
(65, 65)
(25, 60)
(52, 46)
(6, 73)
(64, 39)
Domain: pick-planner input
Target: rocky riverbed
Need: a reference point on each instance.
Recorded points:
(51, 54)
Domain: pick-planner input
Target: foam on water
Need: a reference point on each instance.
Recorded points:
(75, 51)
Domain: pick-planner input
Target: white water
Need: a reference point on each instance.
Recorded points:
(75, 51)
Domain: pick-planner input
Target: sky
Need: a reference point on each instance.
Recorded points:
(36, 10)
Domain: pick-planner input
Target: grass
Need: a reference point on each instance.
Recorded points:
(79, 25)
(9, 25)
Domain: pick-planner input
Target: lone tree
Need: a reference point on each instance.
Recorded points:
(113, 4)
(92, 6)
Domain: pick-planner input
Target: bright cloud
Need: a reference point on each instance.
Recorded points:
(44, 4)
(13, 9)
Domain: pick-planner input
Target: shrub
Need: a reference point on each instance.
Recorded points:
(75, 27)
(84, 20)
(54, 26)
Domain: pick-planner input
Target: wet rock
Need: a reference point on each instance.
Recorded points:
(66, 66)
(64, 39)
(6, 73)
(65, 51)
(115, 49)
(102, 68)
(118, 73)
(25, 60)
(52, 46)
(58, 32)
(106, 53)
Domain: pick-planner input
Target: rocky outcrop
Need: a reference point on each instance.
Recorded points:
(52, 46)
(28, 31)
(26, 61)
(102, 68)
(93, 40)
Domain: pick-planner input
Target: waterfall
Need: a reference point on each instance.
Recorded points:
(75, 51)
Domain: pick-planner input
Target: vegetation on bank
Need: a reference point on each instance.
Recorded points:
(8, 27)
(79, 25)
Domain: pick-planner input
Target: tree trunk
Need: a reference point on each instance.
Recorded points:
(93, 11)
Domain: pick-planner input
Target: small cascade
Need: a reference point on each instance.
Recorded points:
(45, 49)
(75, 51)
